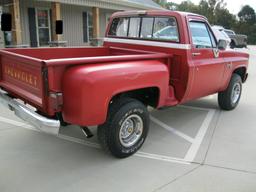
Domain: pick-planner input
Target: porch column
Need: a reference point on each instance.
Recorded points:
(96, 22)
(56, 15)
(16, 31)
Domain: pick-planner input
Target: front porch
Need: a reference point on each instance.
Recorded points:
(84, 22)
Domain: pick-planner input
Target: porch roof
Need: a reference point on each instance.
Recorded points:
(112, 4)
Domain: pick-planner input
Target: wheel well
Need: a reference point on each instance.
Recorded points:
(233, 41)
(241, 72)
(148, 96)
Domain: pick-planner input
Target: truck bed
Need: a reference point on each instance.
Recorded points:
(32, 74)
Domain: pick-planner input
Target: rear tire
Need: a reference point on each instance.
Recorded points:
(230, 98)
(126, 127)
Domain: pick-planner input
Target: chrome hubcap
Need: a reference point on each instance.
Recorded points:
(131, 130)
(236, 93)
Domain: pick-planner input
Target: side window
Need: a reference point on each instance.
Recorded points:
(214, 43)
(146, 27)
(165, 28)
(200, 35)
(119, 27)
(229, 32)
(134, 27)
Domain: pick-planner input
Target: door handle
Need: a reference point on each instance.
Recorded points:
(196, 54)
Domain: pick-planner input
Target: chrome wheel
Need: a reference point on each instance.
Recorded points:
(131, 130)
(236, 92)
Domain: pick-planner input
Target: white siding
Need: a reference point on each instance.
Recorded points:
(104, 14)
(73, 24)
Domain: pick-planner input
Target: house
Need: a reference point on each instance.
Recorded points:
(83, 20)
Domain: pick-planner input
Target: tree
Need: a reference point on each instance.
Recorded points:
(206, 8)
(161, 3)
(217, 14)
(212, 9)
(187, 6)
(247, 23)
(247, 14)
(171, 6)
(224, 18)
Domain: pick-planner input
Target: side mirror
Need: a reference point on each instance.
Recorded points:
(6, 22)
(222, 44)
(59, 27)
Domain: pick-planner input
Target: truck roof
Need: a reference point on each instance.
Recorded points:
(156, 12)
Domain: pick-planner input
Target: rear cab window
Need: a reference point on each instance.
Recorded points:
(166, 29)
(229, 32)
(119, 27)
(134, 27)
(148, 28)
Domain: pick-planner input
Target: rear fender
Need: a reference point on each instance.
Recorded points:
(88, 89)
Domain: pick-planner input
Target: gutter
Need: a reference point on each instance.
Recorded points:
(111, 3)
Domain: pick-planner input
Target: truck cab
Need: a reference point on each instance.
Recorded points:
(199, 66)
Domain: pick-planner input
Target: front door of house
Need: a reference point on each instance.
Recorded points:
(43, 27)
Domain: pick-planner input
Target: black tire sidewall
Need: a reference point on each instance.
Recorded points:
(232, 45)
(119, 117)
(225, 97)
(236, 79)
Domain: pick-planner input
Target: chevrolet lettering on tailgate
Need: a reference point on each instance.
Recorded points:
(21, 75)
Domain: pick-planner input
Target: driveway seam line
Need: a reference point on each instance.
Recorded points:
(212, 136)
(176, 179)
(6, 129)
(230, 169)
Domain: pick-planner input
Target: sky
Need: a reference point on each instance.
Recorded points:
(233, 6)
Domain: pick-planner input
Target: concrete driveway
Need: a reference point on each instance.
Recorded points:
(195, 147)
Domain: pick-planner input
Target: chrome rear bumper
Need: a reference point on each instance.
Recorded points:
(50, 126)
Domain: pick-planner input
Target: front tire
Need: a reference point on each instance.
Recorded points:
(232, 45)
(230, 98)
(126, 127)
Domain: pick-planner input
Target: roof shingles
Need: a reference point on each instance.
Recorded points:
(149, 3)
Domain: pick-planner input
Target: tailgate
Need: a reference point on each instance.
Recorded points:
(22, 77)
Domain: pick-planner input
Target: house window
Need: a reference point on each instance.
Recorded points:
(87, 26)
(43, 27)
(90, 26)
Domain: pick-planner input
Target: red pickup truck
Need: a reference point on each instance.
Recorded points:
(149, 58)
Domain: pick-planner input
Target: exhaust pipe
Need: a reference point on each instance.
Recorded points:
(87, 132)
